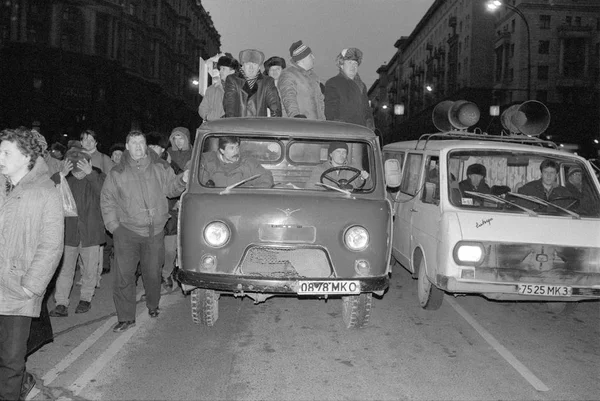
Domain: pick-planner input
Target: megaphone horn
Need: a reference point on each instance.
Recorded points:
(530, 118)
(463, 114)
(440, 115)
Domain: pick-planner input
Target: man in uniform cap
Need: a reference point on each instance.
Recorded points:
(346, 94)
(300, 87)
(250, 93)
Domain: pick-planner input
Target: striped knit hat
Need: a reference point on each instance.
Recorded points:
(298, 51)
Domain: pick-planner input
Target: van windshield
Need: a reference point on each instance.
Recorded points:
(287, 163)
(522, 182)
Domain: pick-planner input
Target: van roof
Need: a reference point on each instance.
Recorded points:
(286, 126)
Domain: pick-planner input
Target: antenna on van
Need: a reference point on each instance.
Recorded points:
(530, 118)
(451, 115)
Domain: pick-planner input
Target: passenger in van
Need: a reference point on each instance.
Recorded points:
(338, 157)
(582, 192)
(475, 181)
(547, 187)
(226, 166)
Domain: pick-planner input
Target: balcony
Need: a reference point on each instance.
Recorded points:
(570, 31)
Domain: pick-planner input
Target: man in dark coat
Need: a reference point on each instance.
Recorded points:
(346, 94)
(249, 93)
(135, 210)
(547, 187)
(84, 233)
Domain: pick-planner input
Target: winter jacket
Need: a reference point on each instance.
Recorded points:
(102, 161)
(87, 228)
(560, 196)
(31, 240)
(135, 194)
(346, 100)
(225, 174)
(180, 156)
(241, 101)
(301, 93)
(211, 107)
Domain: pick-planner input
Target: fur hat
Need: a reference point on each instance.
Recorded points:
(252, 56)
(74, 155)
(154, 138)
(227, 61)
(337, 145)
(298, 51)
(476, 168)
(351, 53)
(274, 61)
(40, 138)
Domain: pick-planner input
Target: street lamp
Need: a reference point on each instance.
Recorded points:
(493, 5)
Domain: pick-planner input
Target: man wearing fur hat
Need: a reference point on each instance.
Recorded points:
(346, 94)
(475, 180)
(273, 67)
(300, 86)
(211, 107)
(250, 93)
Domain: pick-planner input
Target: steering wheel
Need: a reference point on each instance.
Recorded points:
(342, 183)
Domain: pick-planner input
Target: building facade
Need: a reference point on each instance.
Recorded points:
(546, 50)
(109, 65)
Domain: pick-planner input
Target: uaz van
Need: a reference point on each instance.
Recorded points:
(330, 237)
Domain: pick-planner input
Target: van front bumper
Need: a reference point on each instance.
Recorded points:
(237, 283)
(510, 290)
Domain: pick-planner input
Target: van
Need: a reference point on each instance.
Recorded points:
(324, 236)
(510, 217)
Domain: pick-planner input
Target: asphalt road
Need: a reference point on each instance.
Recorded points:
(291, 349)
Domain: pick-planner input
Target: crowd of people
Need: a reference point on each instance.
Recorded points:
(64, 208)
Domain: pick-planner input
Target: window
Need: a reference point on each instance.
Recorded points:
(568, 20)
(542, 72)
(512, 50)
(431, 188)
(577, 21)
(512, 25)
(411, 174)
(544, 47)
(511, 74)
(544, 22)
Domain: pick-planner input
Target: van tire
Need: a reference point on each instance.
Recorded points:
(205, 306)
(430, 297)
(356, 310)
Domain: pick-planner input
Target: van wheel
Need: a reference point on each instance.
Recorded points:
(205, 306)
(430, 297)
(356, 310)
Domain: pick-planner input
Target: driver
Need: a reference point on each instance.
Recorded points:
(226, 166)
(338, 154)
(547, 187)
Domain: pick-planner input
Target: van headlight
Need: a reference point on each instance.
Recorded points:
(356, 238)
(469, 253)
(216, 234)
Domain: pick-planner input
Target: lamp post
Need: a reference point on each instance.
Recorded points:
(493, 5)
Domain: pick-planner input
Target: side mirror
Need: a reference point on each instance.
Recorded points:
(393, 173)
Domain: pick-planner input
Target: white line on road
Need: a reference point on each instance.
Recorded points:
(505, 353)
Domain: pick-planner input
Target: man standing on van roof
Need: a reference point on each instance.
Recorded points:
(338, 155)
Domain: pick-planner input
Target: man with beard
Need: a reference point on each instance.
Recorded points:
(346, 94)
(250, 93)
(225, 167)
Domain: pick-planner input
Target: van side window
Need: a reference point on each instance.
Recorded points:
(431, 188)
(411, 174)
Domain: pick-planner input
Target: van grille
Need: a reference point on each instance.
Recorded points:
(286, 262)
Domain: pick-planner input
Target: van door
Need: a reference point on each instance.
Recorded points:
(404, 203)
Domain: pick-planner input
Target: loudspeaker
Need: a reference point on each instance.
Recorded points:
(461, 114)
(530, 118)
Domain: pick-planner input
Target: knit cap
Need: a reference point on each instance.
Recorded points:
(298, 51)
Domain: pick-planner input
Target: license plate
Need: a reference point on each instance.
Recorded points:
(328, 287)
(546, 290)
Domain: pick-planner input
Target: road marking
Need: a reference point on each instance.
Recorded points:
(505, 353)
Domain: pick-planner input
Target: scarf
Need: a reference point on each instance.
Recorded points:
(250, 81)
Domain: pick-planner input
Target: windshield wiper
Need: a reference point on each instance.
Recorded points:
(540, 201)
(501, 200)
(344, 191)
(237, 184)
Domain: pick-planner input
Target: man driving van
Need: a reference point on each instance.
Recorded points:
(226, 166)
(338, 155)
(547, 187)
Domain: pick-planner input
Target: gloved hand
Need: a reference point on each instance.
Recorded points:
(299, 116)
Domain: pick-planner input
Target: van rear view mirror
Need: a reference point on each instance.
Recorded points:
(393, 173)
